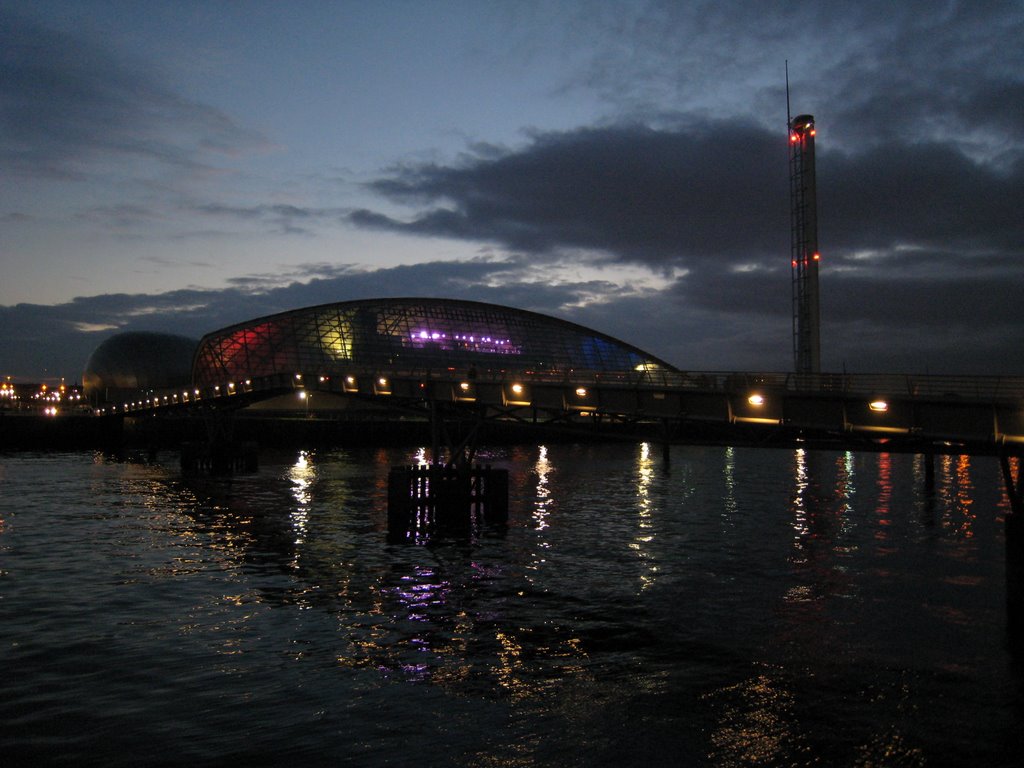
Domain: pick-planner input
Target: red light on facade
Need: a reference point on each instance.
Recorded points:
(794, 263)
(817, 256)
(794, 138)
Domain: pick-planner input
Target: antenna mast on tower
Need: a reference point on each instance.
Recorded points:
(803, 241)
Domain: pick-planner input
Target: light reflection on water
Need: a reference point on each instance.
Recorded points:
(302, 475)
(642, 541)
(727, 607)
(543, 499)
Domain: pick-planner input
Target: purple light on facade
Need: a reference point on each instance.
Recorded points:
(469, 342)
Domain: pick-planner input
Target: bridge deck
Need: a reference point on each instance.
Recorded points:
(978, 413)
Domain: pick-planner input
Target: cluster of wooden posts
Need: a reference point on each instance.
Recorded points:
(219, 458)
(444, 499)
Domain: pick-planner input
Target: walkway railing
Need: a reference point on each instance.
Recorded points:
(987, 389)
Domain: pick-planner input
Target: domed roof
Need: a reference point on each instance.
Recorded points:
(413, 333)
(138, 360)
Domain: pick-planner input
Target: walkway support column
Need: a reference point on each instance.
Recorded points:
(1014, 551)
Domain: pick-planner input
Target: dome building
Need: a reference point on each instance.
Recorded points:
(415, 336)
(131, 363)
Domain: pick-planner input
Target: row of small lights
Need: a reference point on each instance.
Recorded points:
(757, 400)
(195, 394)
(349, 380)
(54, 396)
(464, 386)
(516, 389)
(879, 406)
(435, 336)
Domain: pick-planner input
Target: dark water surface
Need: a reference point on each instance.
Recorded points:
(736, 607)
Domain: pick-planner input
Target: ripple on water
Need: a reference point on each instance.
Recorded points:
(732, 607)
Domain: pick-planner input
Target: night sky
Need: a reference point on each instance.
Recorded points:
(184, 166)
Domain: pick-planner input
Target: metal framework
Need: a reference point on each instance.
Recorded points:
(413, 336)
(804, 246)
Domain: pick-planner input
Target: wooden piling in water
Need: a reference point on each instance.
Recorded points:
(447, 500)
(219, 458)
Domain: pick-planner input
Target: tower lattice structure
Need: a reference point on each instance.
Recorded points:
(804, 246)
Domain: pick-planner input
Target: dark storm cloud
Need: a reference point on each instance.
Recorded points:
(708, 195)
(915, 321)
(65, 102)
(743, 294)
(970, 304)
(709, 192)
(910, 227)
(922, 194)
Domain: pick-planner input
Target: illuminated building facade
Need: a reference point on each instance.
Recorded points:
(412, 335)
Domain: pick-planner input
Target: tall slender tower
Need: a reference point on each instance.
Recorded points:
(804, 244)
